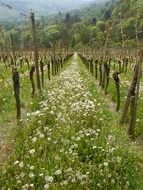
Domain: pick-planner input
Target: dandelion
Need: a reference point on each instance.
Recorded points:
(83, 182)
(46, 186)
(25, 186)
(69, 170)
(64, 182)
(127, 183)
(32, 151)
(16, 162)
(119, 159)
(73, 180)
(34, 139)
(21, 164)
(98, 184)
(113, 181)
(52, 112)
(49, 179)
(32, 168)
(28, 114)
(22, 175)
(78, 139)
(41, 175)
(99, 104)
(42, 136)
(137, 120)
(58, 172)
(31, 175)
(62, 150)
(105, 164)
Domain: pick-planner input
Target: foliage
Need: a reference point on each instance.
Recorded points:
(89, 23)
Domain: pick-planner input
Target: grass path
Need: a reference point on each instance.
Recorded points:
(70, 141)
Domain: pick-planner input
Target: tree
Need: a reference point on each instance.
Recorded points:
(50, 34)
(101, 25)
(68, 21)
(26, 39)
(94, 21)
(94, 32)
(129, 27)
(64, 34)
(107, 14)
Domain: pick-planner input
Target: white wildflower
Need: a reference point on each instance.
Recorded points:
(32, 151)
(31, 175)
(105, 164)
(32, 168)
(21, 164)
(49, 179)
(46, 186)
(34, 139)
(58, 172)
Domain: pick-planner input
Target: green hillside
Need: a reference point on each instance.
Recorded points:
(11, 9)
(125, 15)
(129, 8)
(92, 23)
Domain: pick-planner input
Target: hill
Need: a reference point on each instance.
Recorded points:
(124, 16)
(11, 9)
(90, 22)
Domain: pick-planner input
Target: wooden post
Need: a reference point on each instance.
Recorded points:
(16, 85)
(127, 103)
(107, 71)
(91, 66)
(134, 99)
(134, 83)
(100, 71)
(36, 57)
(5, 42)
(42, 71)
(54, 57)
(49, 70)
(13, 50)
(96, 69)
(32, 79)
(3, 58)
(27, 61)
(117, 82)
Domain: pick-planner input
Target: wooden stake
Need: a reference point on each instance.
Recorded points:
(134, 83)
(13, 50)
(16, 85)
(134, 99)
(32, 79)
(117, 82)
(36, 57)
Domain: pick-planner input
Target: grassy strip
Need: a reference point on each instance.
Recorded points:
(70, 142)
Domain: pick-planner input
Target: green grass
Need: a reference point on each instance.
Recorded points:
(125, 82)
(71, 141)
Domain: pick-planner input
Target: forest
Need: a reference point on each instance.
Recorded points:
(71, 95)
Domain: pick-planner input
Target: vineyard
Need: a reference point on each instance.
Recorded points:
(70, 120)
